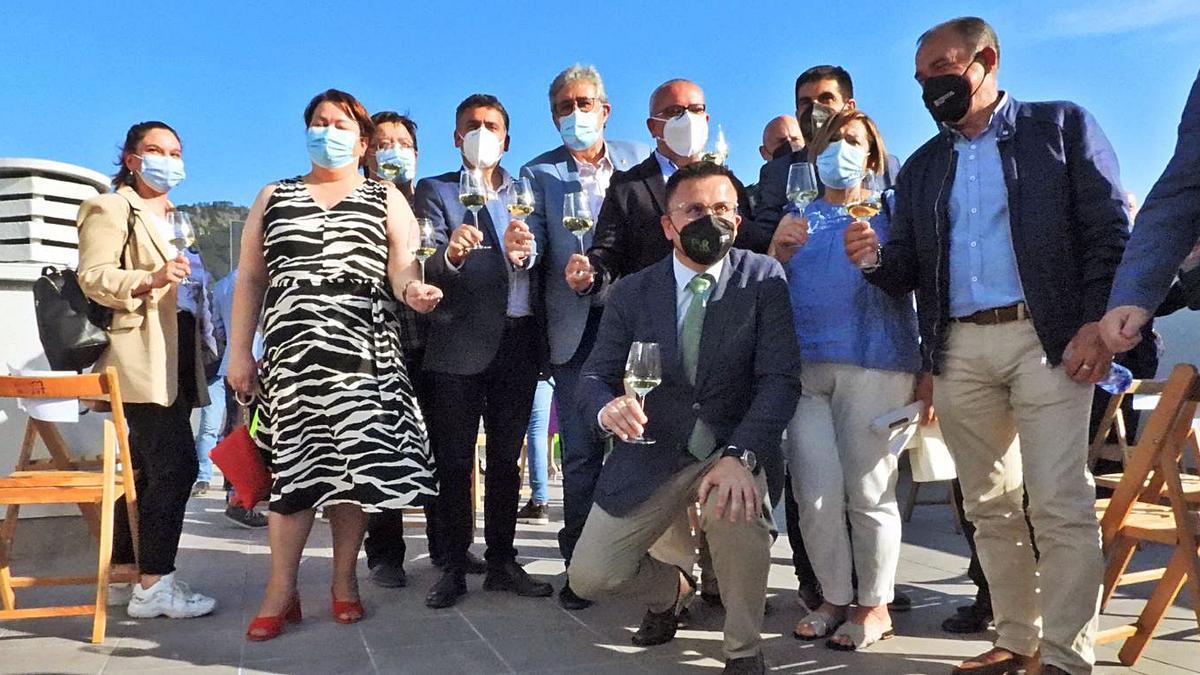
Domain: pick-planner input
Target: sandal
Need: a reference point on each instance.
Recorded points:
(860, 637)
(822, 624)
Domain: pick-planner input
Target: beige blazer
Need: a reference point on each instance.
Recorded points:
(143, 337)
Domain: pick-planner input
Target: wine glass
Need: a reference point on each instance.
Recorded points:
(388, 170)
(868, 201)
(577, 216)
(720, 149)
(802, 187)
(643, 372)
(472, 194)
(183, 235)
(427, 246)
(520, 201)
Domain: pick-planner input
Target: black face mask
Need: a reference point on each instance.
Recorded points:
(784, 149)
(813, 119)
(948, 97)
(706, 239)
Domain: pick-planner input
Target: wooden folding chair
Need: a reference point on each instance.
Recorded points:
(1111, 441)
(100, 490)
(1136, 514)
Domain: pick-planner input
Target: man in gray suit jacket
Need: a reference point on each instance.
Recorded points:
(730, 369)
(584, 163)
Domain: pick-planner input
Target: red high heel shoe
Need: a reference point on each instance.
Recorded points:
(263, 628)
(347, 612)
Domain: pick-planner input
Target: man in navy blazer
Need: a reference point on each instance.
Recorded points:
(730, 367)
(483, 354)
(585, 163)
(1168, 227)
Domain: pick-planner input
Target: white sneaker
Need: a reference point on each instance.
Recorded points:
(119, 595)
(169, 598)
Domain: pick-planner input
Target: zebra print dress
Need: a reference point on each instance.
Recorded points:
(338, 417)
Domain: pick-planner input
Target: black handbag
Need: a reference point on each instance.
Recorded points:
(72, 328)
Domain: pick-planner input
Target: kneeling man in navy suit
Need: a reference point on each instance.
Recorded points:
(730, 368)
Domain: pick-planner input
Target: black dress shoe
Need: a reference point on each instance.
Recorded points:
(657, 628)
(712, 599)
(509, 576)
(900, 602)
(447, 591)
(389, 575)
(568, 600)
(969, 619)
(747, 665)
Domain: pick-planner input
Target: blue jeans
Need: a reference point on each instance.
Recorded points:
(538, 442)
(212, 418)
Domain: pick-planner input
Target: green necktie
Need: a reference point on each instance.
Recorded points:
(701, 443)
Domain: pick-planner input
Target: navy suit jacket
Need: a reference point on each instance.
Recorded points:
(747, 379)
(1169, 223)
(771, 199)
(553, 174)
(466, 327)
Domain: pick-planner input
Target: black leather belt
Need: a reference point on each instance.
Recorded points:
(995, 315)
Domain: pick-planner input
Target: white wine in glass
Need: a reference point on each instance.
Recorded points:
(427, 246)
(577, 216)
(472, 194)
(802, 187)
(643, 372)
(866, 205)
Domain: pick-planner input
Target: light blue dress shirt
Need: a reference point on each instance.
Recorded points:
(983, 264)
(667, 167)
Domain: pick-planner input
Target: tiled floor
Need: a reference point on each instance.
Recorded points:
(488, 632)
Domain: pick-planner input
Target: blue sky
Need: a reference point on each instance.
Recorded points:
(234, 78)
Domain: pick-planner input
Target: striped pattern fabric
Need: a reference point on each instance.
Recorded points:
(339, 418)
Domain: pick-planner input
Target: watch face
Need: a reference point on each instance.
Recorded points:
(750, 460)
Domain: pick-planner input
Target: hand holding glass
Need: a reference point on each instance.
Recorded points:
(472, 193)
(643, 372)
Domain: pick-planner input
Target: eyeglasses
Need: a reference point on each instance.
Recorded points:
(583, 103)
(384, 145)
(678, 111)
(698, 210)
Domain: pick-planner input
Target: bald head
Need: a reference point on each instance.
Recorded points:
(675, 92)
(780, 136)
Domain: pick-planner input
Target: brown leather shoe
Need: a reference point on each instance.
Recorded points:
(995, 661)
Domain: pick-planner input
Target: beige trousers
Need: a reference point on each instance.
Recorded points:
(612, 557)
(994, 386)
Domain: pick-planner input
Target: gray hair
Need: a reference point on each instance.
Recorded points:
(578, 72)
(974, 32)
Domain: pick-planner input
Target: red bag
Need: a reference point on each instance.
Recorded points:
(243, 466)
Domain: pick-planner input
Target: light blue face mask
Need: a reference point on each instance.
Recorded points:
(580, 130)
(161, 172)
(841, 165)
(331, 147)
(397, 163)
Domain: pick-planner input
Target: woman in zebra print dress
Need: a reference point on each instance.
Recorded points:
(338, 415)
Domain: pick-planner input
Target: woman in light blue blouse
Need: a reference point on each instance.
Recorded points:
(861, 359)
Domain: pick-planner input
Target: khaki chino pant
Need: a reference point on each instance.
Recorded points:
(994, 386)
(612, 557)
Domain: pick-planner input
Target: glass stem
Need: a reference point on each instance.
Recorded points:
(422, 264)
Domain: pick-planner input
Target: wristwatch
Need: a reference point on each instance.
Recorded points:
(746, 457)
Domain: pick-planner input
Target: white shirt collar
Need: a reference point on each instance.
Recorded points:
(684, 274)
(665, 165)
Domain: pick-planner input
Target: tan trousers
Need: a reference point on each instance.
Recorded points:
(612, 557)
(994, 386)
